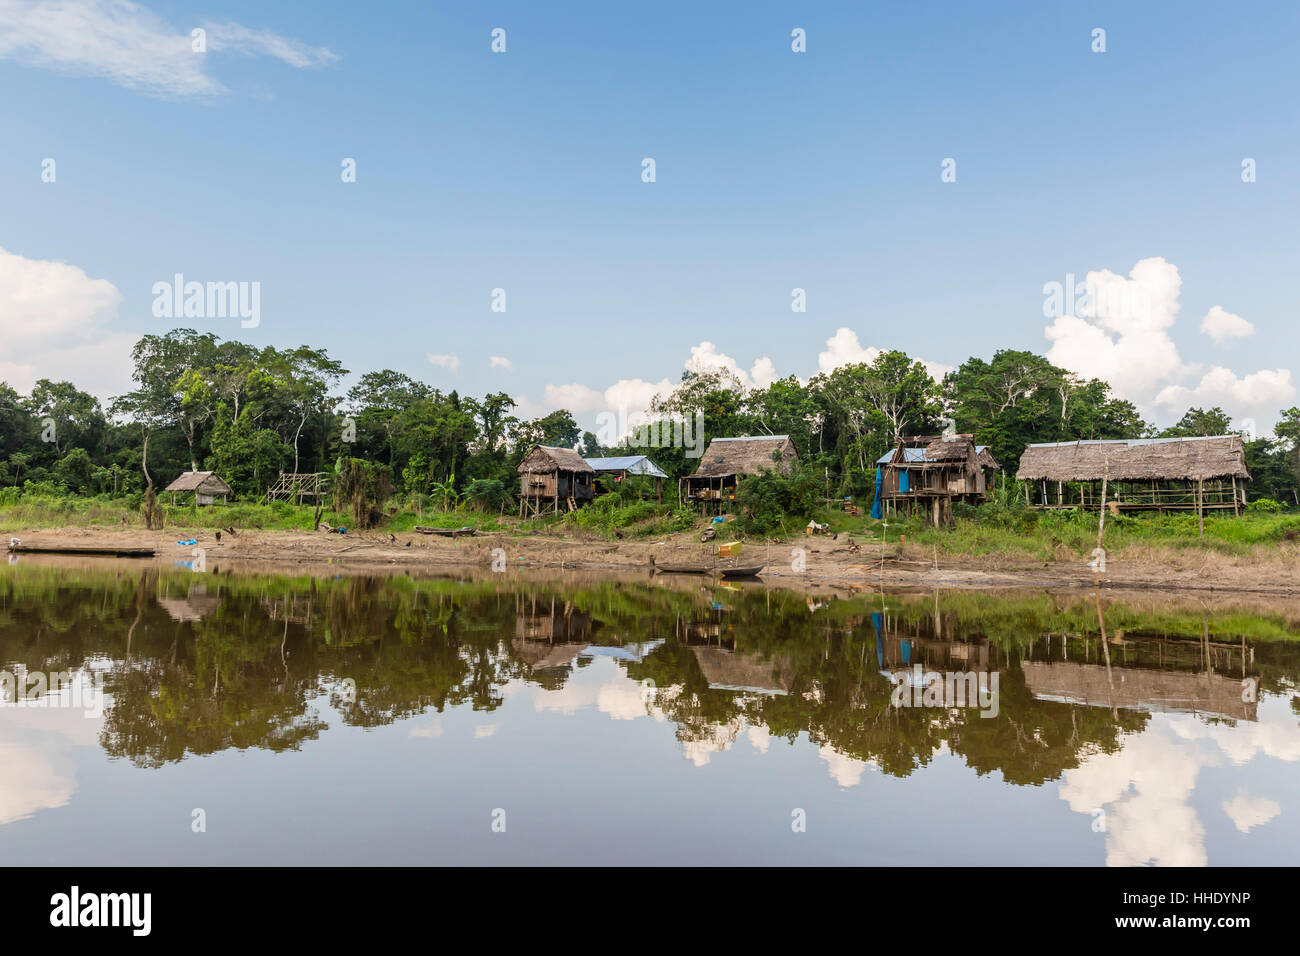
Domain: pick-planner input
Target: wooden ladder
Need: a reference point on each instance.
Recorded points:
(573, 505)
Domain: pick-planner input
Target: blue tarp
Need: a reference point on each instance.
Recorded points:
(904, 486)
(875, 505)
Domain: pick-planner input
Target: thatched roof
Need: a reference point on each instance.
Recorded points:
(986, 459)
(745, 456)
(544, 459)
(203, 482)
(1138, 459)
(950, 448)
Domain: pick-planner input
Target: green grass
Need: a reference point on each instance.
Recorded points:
(1041, 534)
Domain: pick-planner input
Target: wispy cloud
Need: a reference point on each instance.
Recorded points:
(450, 362)
(130, 45)
(499, 361)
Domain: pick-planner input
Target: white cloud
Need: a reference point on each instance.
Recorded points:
(499, 361)
(1248, 812)
(705, 357)
(56, 322)
(1122, 332)
(1260, 393)
(131, 46)
(1221, 325)
(235, 38)
(635, 394)
(576, 397)
(450, 362)
(1122, 335)
(844, 348)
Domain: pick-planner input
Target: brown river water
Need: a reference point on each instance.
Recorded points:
(162, 716)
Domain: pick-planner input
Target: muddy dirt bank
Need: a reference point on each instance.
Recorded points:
(825, 562)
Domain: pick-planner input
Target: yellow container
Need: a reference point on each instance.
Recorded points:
(729, 550)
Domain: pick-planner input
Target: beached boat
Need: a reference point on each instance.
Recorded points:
(74, 549)
(749, 572)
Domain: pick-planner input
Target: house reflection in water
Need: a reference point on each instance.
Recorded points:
(549, 635)
(195, 606)
(1156, 674)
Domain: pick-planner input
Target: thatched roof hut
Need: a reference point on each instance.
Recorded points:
(206, 485)
(552, 479)
(726, 457)
(1137, 459)
(545, 460)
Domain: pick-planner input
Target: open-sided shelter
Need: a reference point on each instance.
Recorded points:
(1140, 474)
(727, 459)
(207, 487)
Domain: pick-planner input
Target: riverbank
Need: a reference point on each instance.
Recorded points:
(819, 561)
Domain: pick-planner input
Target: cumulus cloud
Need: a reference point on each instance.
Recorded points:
(57, 322)
(451, 361)
(131, 46)
(1222, 325)
(499, 361)
(576, 397)
(1262, 392)
(1122, 335)
(705, 357)
(844, 348)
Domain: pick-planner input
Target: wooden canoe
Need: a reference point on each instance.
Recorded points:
(681, 569)
(74, 549)
(446, 532)
(750, 572)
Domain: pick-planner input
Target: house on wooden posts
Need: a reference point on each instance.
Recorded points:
(552, 480)
(926, 475)
(1139, 474)
(206, 486)
(728, 459)
(625, 465)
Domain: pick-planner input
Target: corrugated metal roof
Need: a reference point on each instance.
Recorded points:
(917, 454)
(632, 464)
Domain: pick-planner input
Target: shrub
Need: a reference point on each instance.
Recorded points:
(1267, 505)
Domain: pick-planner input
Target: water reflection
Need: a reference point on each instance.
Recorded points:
(1120, 729)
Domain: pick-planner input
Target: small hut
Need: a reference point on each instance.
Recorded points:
(727, 459)
(1140, 474)
(928, 474)
(206, 486)
(625, 465)
(553, 479)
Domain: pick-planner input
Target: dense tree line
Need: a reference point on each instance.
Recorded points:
(251, 413)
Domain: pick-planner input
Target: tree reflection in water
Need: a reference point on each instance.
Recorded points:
(200, 665)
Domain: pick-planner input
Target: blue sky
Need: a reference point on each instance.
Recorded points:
(774, 170)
